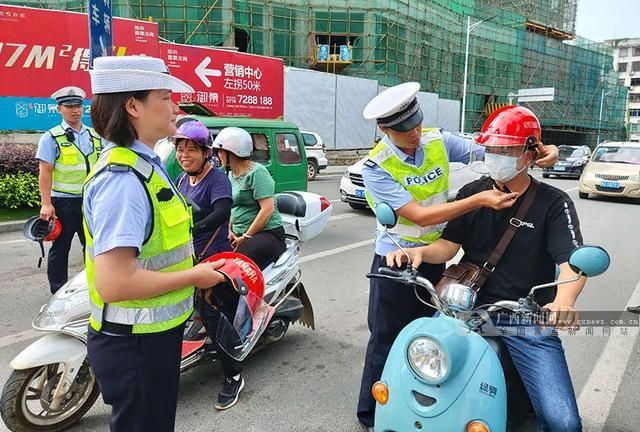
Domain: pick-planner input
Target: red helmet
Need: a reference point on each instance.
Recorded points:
(37, 229)
(510, 126)
(241, 273)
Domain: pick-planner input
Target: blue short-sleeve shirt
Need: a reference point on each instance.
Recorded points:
(48, 150)
(384, 188)
(116, 205)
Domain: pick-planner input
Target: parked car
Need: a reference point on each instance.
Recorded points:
(352, 184)
(278, 145)
(571, 162)
(613, 170)
(316, 158)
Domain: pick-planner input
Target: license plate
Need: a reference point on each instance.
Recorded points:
(559, 168)
(360, 193)
(610, 184)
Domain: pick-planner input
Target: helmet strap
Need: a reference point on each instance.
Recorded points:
(42, 250)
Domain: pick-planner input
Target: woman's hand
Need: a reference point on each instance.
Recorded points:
(496, 199)
(237, 241)
(205, 275)
(398, 257)
(562, 316)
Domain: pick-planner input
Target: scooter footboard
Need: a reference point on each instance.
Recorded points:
(416, 406)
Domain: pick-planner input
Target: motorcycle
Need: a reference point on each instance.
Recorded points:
(452, 372)
(52, 385)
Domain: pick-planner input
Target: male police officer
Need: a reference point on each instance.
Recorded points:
(66, 153)
(409, 170)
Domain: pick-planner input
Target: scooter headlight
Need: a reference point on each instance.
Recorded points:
(428, 359)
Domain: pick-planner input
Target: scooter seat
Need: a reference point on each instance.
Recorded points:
(519, 407)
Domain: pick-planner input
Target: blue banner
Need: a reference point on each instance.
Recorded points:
(33, 114)
(100, 34)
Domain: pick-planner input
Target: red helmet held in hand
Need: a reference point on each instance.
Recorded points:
(510, 126)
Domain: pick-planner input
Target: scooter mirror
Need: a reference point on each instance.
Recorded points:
(589, 260)
(386, 215)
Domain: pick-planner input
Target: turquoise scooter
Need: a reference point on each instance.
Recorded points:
(441, 375)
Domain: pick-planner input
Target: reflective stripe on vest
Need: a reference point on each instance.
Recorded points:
(132, 316)
(161, 261)
(427, 184)
(168, 248)
(72, 166)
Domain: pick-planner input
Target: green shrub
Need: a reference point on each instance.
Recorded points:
(19, 190)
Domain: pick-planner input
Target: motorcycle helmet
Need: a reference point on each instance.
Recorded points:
(510, 126)
(40, 230)
(196, 131)
(37, 229)
(241, 273)
(235, 140)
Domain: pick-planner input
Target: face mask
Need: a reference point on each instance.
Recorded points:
(502, 168)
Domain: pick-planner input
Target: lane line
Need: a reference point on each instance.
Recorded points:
(599, 392)
(343, 216)
(13, 241)
(19, 337)
(335, 251)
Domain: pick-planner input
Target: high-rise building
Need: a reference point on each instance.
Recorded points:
(626, 57)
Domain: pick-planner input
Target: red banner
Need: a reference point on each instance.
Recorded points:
(43, 50)
(227, 82)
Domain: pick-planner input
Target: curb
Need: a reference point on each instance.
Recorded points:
(12, 226)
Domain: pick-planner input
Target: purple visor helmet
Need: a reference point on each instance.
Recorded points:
(195, 131)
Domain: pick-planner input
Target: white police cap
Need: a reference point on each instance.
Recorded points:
(69, 95)
(396, 108)
(117, 74)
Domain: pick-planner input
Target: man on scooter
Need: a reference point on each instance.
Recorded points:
(408, 169)
(545, 237)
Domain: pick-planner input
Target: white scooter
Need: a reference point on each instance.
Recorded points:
(52, 385)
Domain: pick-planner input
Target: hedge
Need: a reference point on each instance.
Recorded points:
(19, 190)
(15, 158)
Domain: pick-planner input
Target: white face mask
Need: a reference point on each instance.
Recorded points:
(502, 168)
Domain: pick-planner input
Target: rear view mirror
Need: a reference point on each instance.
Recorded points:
(589, 260)
(386, 215)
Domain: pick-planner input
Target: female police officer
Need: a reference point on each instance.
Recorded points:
(139, 255)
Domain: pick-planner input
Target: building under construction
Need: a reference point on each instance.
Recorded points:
(522, 44)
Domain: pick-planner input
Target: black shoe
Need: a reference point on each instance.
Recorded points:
(228, 397)
(366, 428)
(634, 309)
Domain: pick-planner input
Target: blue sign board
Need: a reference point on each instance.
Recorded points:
(100, 34)
(345, 53)
(33, 114)
(323, 52)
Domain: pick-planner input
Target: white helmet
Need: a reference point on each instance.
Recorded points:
(236, 140)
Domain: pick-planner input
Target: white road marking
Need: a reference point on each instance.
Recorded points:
(599, 393)
(13, 241)
(343, 216)
(19, 337)
(571, 189)
(335, 251)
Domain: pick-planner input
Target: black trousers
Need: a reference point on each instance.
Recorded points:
(391, 307)
(69, 211)
(138, 376)
(264, 247)
(211, 318)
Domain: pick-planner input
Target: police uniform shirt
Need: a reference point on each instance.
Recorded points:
(383, 188)
(48, 150)
(121, 201)
(550, 231)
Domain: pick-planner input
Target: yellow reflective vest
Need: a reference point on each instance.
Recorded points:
(168, 248)
(428, 183)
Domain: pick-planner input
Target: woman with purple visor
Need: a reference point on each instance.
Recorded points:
(210, 190)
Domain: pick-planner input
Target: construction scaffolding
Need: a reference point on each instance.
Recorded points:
(522, 44)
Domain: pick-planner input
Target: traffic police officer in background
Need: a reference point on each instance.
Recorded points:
(408, 169)
(66, 153)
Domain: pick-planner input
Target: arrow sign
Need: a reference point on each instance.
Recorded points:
(203, 72)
